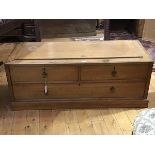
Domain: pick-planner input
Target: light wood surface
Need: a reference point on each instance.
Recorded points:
(5, 50)
(71, 91)
(103, 121)
(102, 72)
(34, 73)
(81, 50)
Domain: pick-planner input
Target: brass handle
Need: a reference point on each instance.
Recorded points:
(114, 72)
(45, 89)
(44, 74)
(112, 89)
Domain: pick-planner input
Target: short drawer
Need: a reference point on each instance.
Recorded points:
(102, 72)
(36, 73)
(87, 90)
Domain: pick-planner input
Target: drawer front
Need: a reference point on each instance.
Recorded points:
(87, 90)
(62, 73)
(102, 72)
(35, 73)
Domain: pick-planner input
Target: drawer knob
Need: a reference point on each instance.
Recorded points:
(112, 89)
(114, 72)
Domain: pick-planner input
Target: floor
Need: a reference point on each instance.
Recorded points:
(90, 122)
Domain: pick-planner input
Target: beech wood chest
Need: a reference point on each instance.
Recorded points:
(51, 75)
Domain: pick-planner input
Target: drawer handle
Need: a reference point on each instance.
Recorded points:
(112, 89)
(45, 89)
(44, 74)
(114, 72)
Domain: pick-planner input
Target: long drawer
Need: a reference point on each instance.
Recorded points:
(35, 73)
(116, 71)
(84, 90)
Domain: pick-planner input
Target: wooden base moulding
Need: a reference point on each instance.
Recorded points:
(80, 104)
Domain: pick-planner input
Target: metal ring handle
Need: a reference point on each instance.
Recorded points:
(44, 75)
(45, 87)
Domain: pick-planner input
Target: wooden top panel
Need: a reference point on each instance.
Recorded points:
(80, 50)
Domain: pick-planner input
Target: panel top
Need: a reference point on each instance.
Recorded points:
(128, 49)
